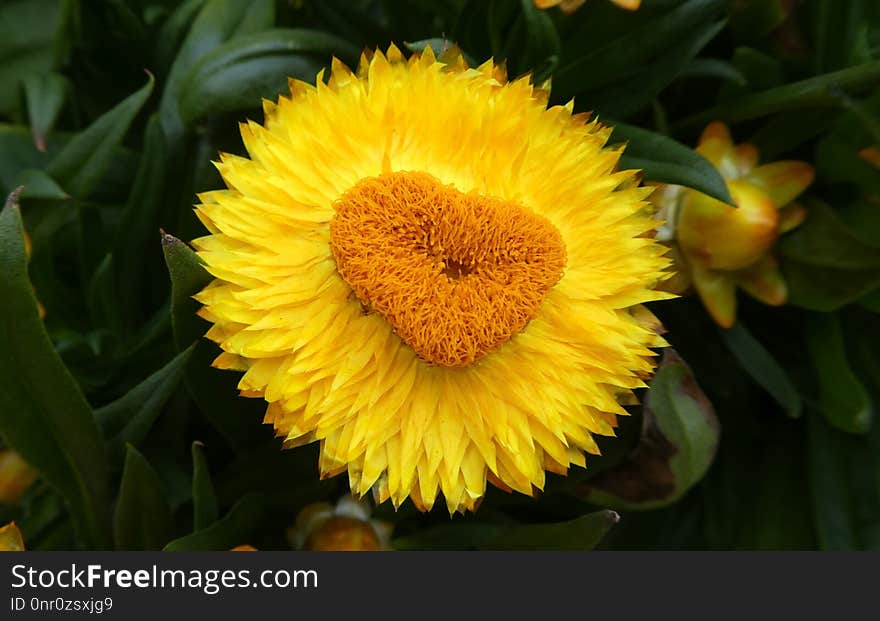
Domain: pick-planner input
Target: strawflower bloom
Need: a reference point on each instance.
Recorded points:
(439, 279)
(721, 247)
(570, 6)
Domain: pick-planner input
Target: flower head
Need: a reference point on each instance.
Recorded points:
(435, 276)
(722, 246)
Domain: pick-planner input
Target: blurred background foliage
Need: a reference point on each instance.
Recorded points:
(110, 114)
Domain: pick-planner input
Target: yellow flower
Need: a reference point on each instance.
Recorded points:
(10, 538)
(722, 246)
(428, 271)
(16, 475)
(570, 6)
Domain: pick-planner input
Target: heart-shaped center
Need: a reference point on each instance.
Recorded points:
(456, 274)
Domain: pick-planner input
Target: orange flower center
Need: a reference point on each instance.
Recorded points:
(456, 274)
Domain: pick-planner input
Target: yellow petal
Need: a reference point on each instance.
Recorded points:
(570, 6)
(745, 156)
(716, 145)
(782, 181)
(718, 294)
(791, 216)
(764, 282)
(871, 155)
(10, 539)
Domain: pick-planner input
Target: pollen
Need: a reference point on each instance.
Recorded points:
(456, 274)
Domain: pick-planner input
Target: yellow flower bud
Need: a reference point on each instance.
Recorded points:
(721, 247)
(345, 526)
(343, 533)
(16, 475)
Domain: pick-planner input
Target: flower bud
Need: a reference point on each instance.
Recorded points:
(16, 475)
(344, 527)
(719, 247)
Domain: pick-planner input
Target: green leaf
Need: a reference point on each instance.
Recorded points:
(763, 368)
(837, 154)
(43, 414)
(204, 499)
(84, 160)
(217, 22)
(135, 258)
(679, 439)
(837, 28)
(825, 263)
(785, 132)
(173, 31)
(713, 68)
(641, 60)
(240, 526)
(818, 91)
(666, 161)
(843, 399)
(825, 240)
(826, 289)
(755, 19)
(142, 520)
(44, 96)
(17, 155)
(267, 468)
(28, 33)
(631, 94)
(39, 185)
(128, 420)
(352, 20)
(103, 305)
(239, 73)
(843, 474)
(458, 536)
(542, 42)
(871, 301)
(238, 419)
(188, 277)
(761, 72)
(44, 510)
(583, 533)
